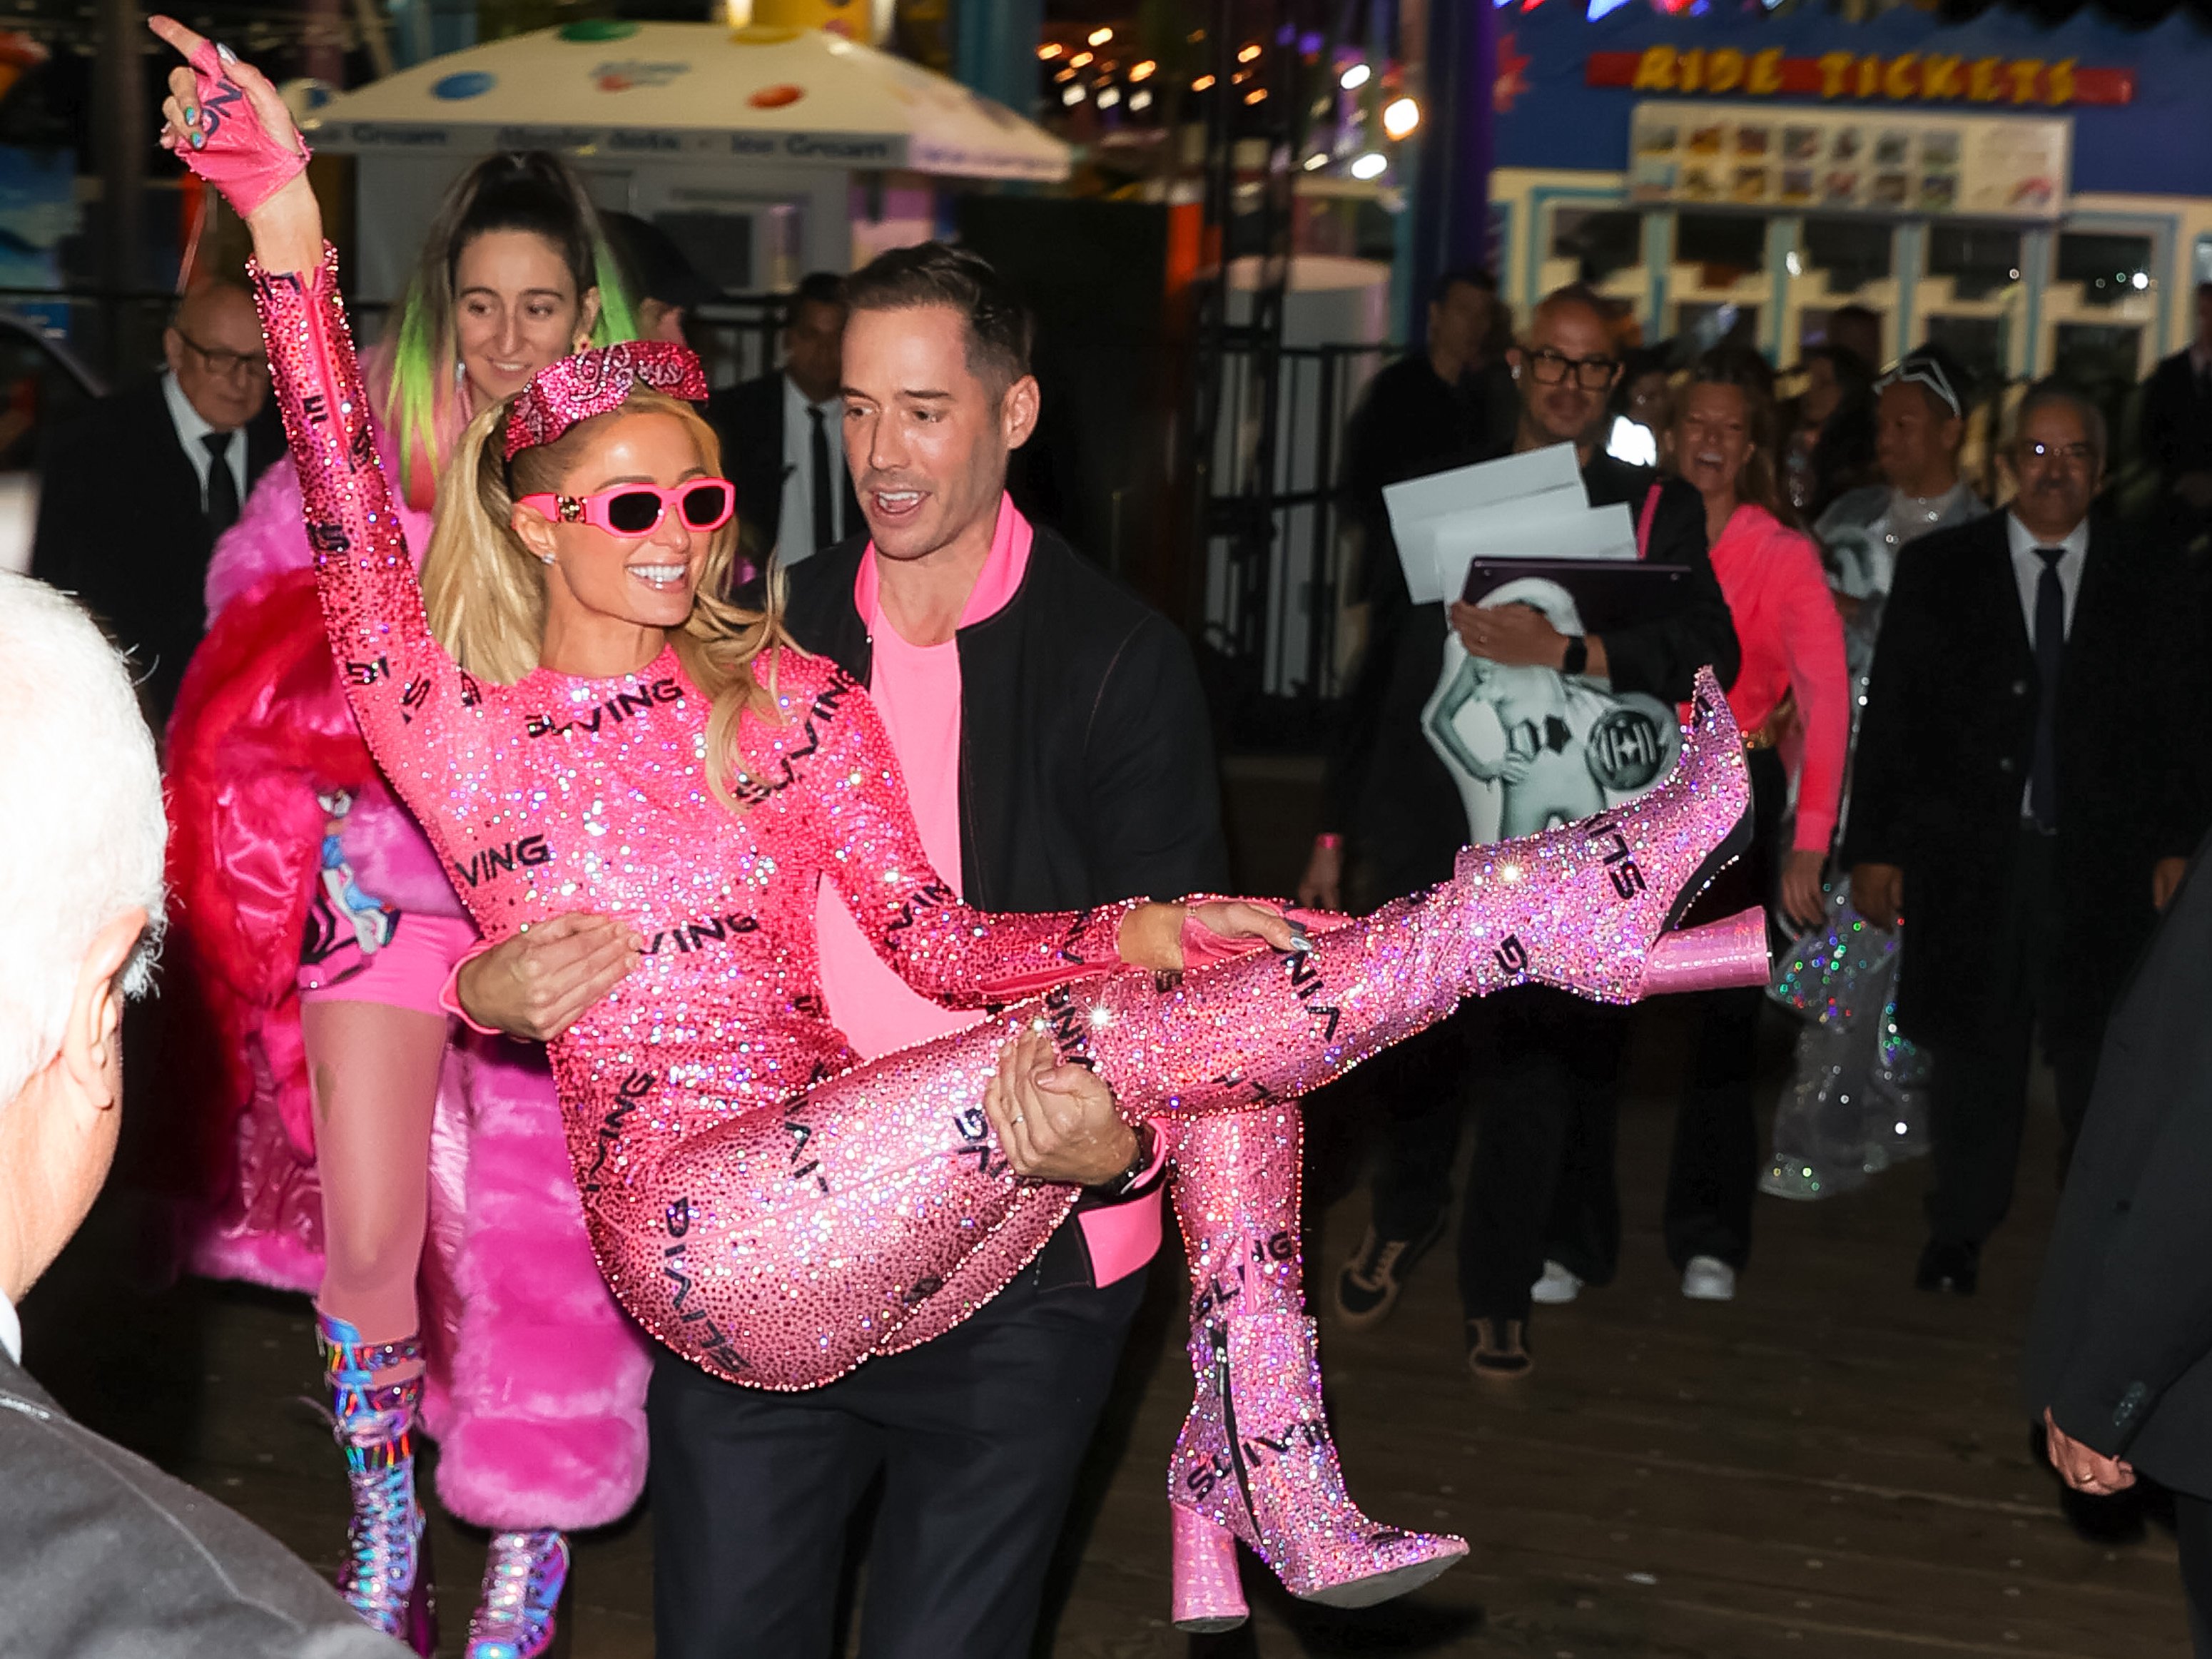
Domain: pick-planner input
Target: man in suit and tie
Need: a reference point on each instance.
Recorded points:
(2024, 800)
(135, 492)
(99, 1552)
(783, 436)
(2175, 428)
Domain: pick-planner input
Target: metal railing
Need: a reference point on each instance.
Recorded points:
(1278, 549)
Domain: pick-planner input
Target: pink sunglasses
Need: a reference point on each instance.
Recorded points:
(634, 510)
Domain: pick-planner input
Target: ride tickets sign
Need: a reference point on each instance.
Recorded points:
(1907, 77)
(1801, 158)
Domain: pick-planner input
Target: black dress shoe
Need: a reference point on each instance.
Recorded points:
(1949, 1264)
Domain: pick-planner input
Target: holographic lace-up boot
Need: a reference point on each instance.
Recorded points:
(385, 1575)
(522, 1585)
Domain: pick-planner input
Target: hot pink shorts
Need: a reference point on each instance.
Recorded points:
(407, 972)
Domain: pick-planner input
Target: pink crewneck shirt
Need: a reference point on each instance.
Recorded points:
(916, 689)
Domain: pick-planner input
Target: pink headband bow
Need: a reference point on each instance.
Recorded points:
(595, 382)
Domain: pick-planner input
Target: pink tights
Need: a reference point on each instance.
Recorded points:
(374, 1069)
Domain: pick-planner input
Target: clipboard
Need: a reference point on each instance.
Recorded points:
(1609, 593)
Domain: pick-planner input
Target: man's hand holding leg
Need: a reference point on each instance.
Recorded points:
(1055, 1123)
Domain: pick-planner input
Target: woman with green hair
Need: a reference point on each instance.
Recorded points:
(342, 1122)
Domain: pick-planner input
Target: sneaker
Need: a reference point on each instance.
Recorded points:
(1368, 1287)
(1709, 1278)
(1497, 1349)
(1556, 1287)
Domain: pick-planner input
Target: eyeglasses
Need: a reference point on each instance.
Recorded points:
(2072, 454)
(634, 510)
(1553, 369)
(229, 365)
(1923, 371)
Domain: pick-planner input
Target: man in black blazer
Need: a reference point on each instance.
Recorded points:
(2175, 428)
(1082, 774)
(1388, 798)
(2024, 799)
(135, 492)
(783, 436)
(2118, 1363)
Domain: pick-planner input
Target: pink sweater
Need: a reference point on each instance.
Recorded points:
(1793, 641)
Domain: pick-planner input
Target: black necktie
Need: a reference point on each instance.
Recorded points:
(818, 458)
(222, 484)
(2049, 652)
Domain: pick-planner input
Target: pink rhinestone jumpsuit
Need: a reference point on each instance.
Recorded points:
(758, 1200)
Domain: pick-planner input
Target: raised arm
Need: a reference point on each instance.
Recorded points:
(227, 122)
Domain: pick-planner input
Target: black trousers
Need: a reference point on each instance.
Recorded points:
(2192, 1534)
(1713, 1172)
(1551, 1065)
(977, 1436)
(1977, 1086)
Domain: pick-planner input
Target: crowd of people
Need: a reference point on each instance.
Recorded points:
(1962, 846)
(690, 924)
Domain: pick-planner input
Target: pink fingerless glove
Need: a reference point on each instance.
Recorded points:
(237, 155)
(1202, 947)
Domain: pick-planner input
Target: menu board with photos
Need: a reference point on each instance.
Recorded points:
(1861, 160)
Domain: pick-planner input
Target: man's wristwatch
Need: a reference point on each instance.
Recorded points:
(1146, 1168)
(1577, 657)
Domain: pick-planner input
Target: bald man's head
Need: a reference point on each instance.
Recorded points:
(214, 348)
(1565, 369)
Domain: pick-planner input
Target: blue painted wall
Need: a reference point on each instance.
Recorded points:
(2160, 144)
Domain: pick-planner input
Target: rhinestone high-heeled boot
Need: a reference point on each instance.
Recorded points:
(1255, 1460)
(385, 1575)
(1256, 1463)
(524, 1576)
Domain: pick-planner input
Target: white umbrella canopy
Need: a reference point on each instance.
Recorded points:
(797, 97)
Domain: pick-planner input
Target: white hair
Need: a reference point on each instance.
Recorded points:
(81, 829)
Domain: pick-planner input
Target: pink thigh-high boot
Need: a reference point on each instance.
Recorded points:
(1255, 1460)
(781, 1247)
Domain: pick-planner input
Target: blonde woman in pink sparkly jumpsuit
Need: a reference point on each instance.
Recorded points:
(762, 1203)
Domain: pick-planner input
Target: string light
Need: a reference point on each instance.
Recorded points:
(1369, 166)
(1048, 50)
(1399, 117)
(1142, 70)
(1257, 96)
(1080, 59)
(1100, 37)
(1201, 84)
(1246, 54)
(1355, 77)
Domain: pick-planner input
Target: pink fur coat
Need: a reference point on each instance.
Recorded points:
(537, 1383)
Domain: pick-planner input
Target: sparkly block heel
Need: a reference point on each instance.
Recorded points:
(385, 1577)
(524, 1577)
(1208, 1595)
(1256, 1459)
(1721, 955)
